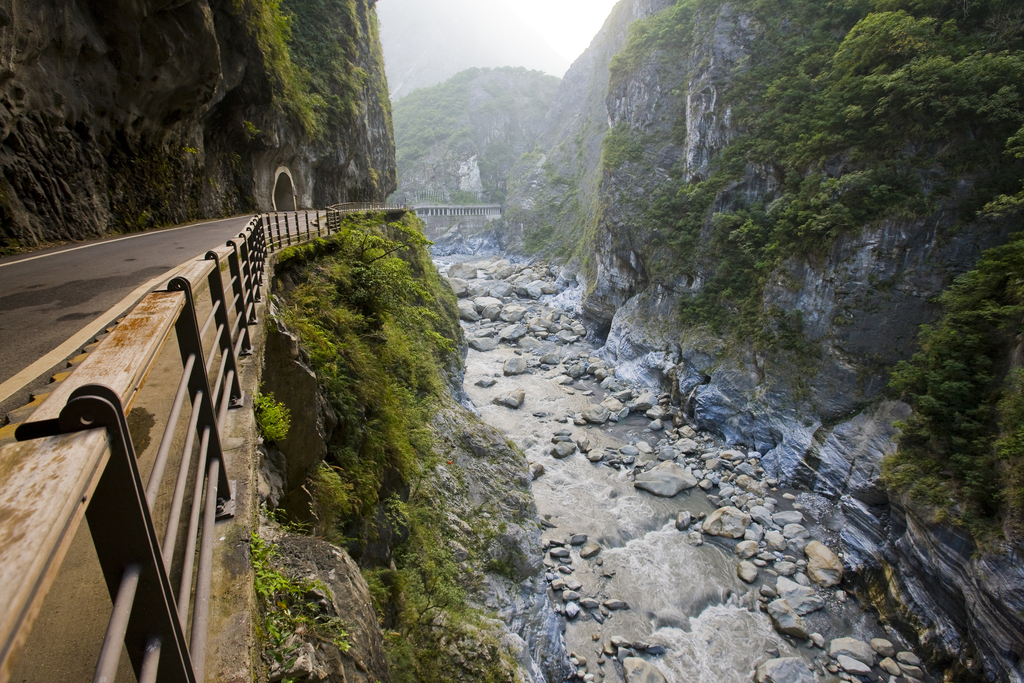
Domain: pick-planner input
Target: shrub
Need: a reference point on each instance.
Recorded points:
(273, 419)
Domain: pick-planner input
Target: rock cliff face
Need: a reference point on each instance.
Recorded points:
(553, 194)
(656, 124)
(127, 115)
(463, 136)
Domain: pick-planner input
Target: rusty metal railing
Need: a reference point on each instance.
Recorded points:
(286, 228)
(75, 458)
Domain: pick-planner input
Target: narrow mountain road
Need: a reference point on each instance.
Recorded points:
(47, 297)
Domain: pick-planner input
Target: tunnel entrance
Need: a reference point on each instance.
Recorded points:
(284, 195)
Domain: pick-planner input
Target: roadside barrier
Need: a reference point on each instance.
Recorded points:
(74, 458)
(285, 228)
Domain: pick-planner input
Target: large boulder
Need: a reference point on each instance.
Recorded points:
(802, 599)
(784, 670)
(823, 566)
(786, 621)
(851, 647)
(458, 286)
(511, 399)
(512, 332)
(500, 290)
(482, 302)
(596, 414)
(667, 479)
(467, 311)
(513, 313)
(636, 670)
(729, 521)
(535, 289)
(516, 365)
(463, 271)
(482, 344)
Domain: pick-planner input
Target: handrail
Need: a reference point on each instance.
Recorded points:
(325, 222)
(75, 457)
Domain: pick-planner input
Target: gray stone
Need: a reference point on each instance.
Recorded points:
(853, 666)
(908, 658)
(563, 449)
(726, 521)
(596, 414)
(853, 648)
(745, 549)
(746, 571)
(512, 332)
(883, 647)
(463, 271)
(516, 365)
(513, 314)
(482, 344)
(666, 479)
(789, 517)
(467, 311)
(761, 515)
(636, 670)
(511, 399)
(802, 599)
(590, 550)
(683, 520)
(786, 621)
(784, 670)
(823, 566)
(791, 531)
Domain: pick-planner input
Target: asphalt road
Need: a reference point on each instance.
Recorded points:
(48, 296)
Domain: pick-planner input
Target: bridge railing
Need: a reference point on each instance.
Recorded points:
(75, 458)
(285, 228)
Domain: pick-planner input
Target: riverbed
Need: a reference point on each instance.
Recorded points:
(653, 589)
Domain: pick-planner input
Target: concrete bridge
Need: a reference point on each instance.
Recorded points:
(439, 218)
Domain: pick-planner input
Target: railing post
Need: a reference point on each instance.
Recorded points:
(234, 392)
(287, 230)
(242, 305)
(277, 223)
(127, 547)
(307, 225)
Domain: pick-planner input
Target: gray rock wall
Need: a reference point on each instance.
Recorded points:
(821, 414)
(130, 114)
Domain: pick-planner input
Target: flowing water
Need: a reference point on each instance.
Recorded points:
(686, 598)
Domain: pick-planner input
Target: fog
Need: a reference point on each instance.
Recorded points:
(428, 41)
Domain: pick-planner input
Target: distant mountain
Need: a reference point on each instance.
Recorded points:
(428, 43)
(464, 135)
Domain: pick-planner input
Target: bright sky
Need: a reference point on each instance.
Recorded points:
(568, 25)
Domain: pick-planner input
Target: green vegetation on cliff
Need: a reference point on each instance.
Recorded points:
(962, 450)
(380, 330)
(311, 52)
(861, 111)
(493, 114)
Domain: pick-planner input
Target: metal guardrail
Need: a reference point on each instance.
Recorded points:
(75, 458)
(297, 227)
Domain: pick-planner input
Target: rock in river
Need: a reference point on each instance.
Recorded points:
(596, 414)
(728, 521)
(667, 479)
(563, 449)
(746, 571)
(511, 399)
(802, 599)
(786, 621)
(638, 670)
(784, 670)
(823, 566)
(516, 365)
(482, 344)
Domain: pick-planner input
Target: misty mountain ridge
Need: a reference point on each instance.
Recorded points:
(428, 44)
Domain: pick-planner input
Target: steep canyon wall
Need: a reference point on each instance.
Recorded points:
(726, 254)
(131, 114)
